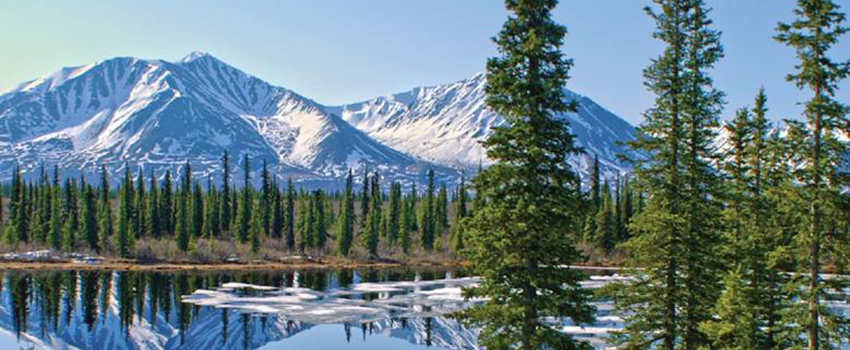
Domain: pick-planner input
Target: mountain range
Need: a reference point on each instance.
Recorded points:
(161, 114)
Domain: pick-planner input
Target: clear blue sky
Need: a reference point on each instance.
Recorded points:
(344, 51)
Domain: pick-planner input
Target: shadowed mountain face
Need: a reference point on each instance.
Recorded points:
(136, 310)
(162, 114)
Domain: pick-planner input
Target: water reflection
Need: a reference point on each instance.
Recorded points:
(144, 310)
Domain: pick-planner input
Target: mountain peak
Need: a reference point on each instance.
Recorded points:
(194, 55)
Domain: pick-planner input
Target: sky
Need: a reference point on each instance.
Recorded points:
(342, 51)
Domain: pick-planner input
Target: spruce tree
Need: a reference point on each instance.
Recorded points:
(675, 287)
(605, 222)
(370, 236)
(125, 215)
(225, 192)
(243, 218)
(184, 225)
(55, 235)
(529, 196)
(72, 221)
(442, 210)
(154, 225)
(394, 213)
(594, 185)
(257, 230)
(266, 198)
(364, 199)
(277, 212)
(105, 227)
(89, 224)
(816, 29)
(141, 207)
(289, 216)
(306, 221)
(320, 232)
(166, 205)
(197, 210)
(428, 222)
(345, 230)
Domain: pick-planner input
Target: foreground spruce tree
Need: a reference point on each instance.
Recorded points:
(817, 27)
(519, 239)
(674, 238)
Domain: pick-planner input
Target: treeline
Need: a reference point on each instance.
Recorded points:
(73, 215)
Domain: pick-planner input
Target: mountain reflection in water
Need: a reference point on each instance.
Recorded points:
(318, 309)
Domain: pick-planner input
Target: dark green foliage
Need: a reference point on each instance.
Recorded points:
(166, 205)
(345, 230)
(674, 239)
(816, 29)
(370, 235)
(427, 224)
(105, 227)
(124, 241)
(606, 230)
(277, 218)
(184, 224)
(289, 216)
(141, 207)
(306, 220)
(225, 192)
(243, 218)
(257, 230)
(89, 224)
(154, 222)
(441, 211)
(517, 239)
(320, 232)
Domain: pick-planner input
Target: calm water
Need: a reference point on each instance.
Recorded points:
(348, 309)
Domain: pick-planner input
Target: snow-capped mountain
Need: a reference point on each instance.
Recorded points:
(445, 124)
(162, 114)
(158, 113)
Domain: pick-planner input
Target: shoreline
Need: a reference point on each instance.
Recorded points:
(129, 265)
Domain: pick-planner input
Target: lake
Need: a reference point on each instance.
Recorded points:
(397, 308)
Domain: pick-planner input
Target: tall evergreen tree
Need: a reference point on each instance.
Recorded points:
(89, 224)
(197, 210)
(394, 213)
(530, 194)
(816, 29)
(55, 235)
(184, 225)
(105, 227)
(289, 216)
(605, 222)
(320, 232)
(277, 212)
(124, 241)
(370, 236)
(257, 230)
(243, 218)
(141, 207)
(428, 223)
(306, 222)
(266, 199)
(225, 192)
(167, 205)
(154, 225)
(345, 230)
(442, 210)
(677, 286)
(364, 199)
(72, 220)
(594, 185)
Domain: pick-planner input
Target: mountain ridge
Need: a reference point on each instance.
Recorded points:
(158, 113)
